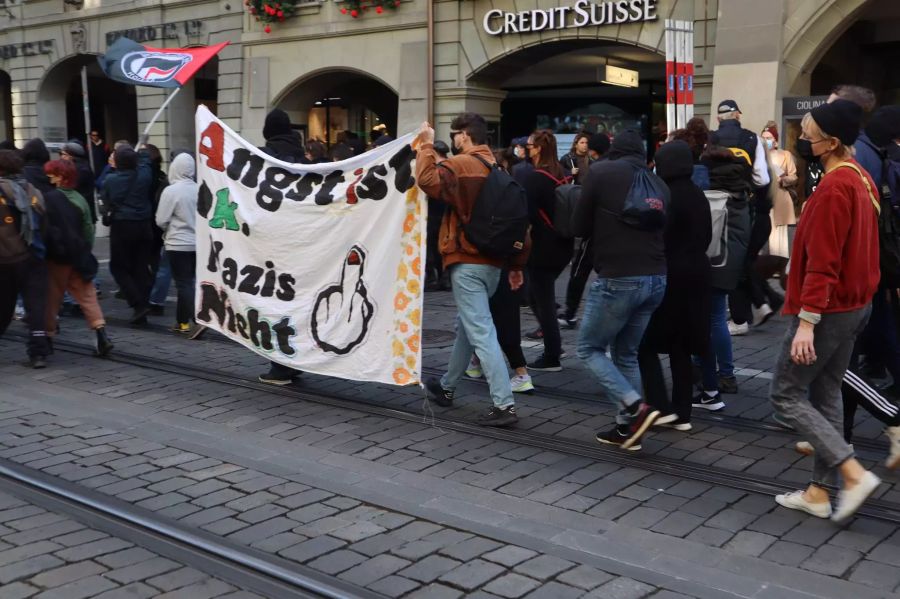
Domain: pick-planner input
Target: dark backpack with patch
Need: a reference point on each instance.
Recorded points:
(498, 223)
(646, 202)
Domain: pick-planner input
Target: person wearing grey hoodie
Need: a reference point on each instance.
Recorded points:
(176, 216)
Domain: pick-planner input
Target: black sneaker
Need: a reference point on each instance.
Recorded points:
(274, 378)
(709, 402)
(566, 322)
(499, 417)
(728, 384)
(677, 423)
(629, 437)
(139, 316)
(440, 396)
(545, 364)
(197, 332)
(535, 335)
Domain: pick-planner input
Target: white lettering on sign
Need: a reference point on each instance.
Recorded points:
(583, 13)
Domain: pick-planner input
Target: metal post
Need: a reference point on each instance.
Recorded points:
(86, 103)
(153, 120)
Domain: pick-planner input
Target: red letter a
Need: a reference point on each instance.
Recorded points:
(213, 152)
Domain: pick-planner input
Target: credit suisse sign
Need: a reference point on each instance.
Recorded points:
(583, 13)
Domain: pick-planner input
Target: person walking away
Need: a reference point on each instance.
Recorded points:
(100, 150)
(834, 274)
(578, 159)
(159, 264)
(680, 326)
(550, 252)
(126, 194)
(728, 174)
(73, 268)
(766, 301)
(458, 182)
(176, 215)
(582, 259)
(696, 135)
(283, 143)
(23, 270)
(631, 281)
(434, 269)
(74, 152)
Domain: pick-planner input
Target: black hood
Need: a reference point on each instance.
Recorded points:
(277, 123)
(285, 146)
(627, 143)
(674, 160)
(35, 151)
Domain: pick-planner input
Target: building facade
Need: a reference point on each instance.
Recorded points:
(522, 63)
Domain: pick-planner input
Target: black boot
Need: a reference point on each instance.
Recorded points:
(103, 345)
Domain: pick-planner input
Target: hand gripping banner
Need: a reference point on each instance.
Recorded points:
(317, 267)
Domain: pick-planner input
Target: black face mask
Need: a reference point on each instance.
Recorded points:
(805, 150)
(454, 150)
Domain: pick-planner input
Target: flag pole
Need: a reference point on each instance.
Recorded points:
(156, 116)
(86, 104)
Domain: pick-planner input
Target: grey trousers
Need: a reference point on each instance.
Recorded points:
(809, 397)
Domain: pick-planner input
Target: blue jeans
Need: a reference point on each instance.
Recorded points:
(616, 314)
(163, 280)
(473, 286)
(719, 361)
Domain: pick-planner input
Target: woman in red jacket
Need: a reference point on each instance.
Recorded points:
(833, 276)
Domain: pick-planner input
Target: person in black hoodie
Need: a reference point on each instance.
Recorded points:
(680, 326)
(283, 143)
(550, 253)
(631, 282)
(730, 174)
(126, 195)
(36, 155)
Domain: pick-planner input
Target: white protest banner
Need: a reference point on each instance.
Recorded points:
(317, 267)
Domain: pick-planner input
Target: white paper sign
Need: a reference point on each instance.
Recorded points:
(318, 267)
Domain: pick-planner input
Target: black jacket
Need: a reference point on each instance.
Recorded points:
(35, 155)
(64, 238)
(85, 185)
(127, 191)
(730, 134)
(683, 318)
(548, 250)
(728, 173)
(619, 250)
(285, 146)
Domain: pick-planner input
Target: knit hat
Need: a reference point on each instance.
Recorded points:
(884, 126)
(840, 119)
(277, 123)
(599, 142)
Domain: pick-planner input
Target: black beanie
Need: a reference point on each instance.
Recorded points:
(840, 119)
(599, 142)
(884, 126)
(277, 123)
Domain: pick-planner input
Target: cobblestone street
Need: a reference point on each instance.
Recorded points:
(402, 506)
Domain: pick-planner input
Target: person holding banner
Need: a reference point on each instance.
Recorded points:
(474, 276)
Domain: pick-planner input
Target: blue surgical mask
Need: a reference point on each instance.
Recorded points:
(770, 144)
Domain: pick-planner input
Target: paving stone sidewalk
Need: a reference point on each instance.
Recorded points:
(46, 555)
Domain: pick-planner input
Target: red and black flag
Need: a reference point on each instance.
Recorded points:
(130, 62)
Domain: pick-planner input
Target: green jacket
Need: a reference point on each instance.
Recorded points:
(87, 221)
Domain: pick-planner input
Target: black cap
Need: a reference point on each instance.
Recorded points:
(840, 119)
(728, 106)
(599, 142)
(520, 141)
(884, 126)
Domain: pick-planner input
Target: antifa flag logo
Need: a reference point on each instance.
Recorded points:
(153, 67)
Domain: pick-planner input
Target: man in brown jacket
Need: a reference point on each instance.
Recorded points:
(474, 276)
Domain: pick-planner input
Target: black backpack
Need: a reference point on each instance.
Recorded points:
(498, 224)
(889, 224)
(646, 202)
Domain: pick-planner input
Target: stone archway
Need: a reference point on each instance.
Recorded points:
(7, 131)
(808, 34)
(60, 112)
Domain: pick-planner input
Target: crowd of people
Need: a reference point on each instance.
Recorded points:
(683, 243)
(686, 274)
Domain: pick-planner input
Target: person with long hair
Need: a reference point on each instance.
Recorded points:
(74, 272)
(550, 252)
(578, 160)
(833, 276)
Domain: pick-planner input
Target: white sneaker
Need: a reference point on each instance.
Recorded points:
(665, 419)
(893, 433)
(761, 314)
(850, 500)
(736, 330)
(474, 370)
(795, 501)
(804, 448)
(521, 383)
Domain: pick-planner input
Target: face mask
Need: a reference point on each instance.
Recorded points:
(805, 150)
(770, 144)
(454, 150)
(520, 153)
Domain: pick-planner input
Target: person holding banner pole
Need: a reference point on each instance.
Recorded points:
(474, 277)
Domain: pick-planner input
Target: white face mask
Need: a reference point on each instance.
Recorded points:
(770, 144)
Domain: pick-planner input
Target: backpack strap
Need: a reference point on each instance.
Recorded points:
(489, 166)
(547, 174)
(865, 182)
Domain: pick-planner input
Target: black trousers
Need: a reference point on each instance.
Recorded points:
(183, 266)
(505, 313)
(28, 279)
(433, 262)
(582, 266)
(858, 393)
(130, 259)
(543, 304)
(654, 382)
